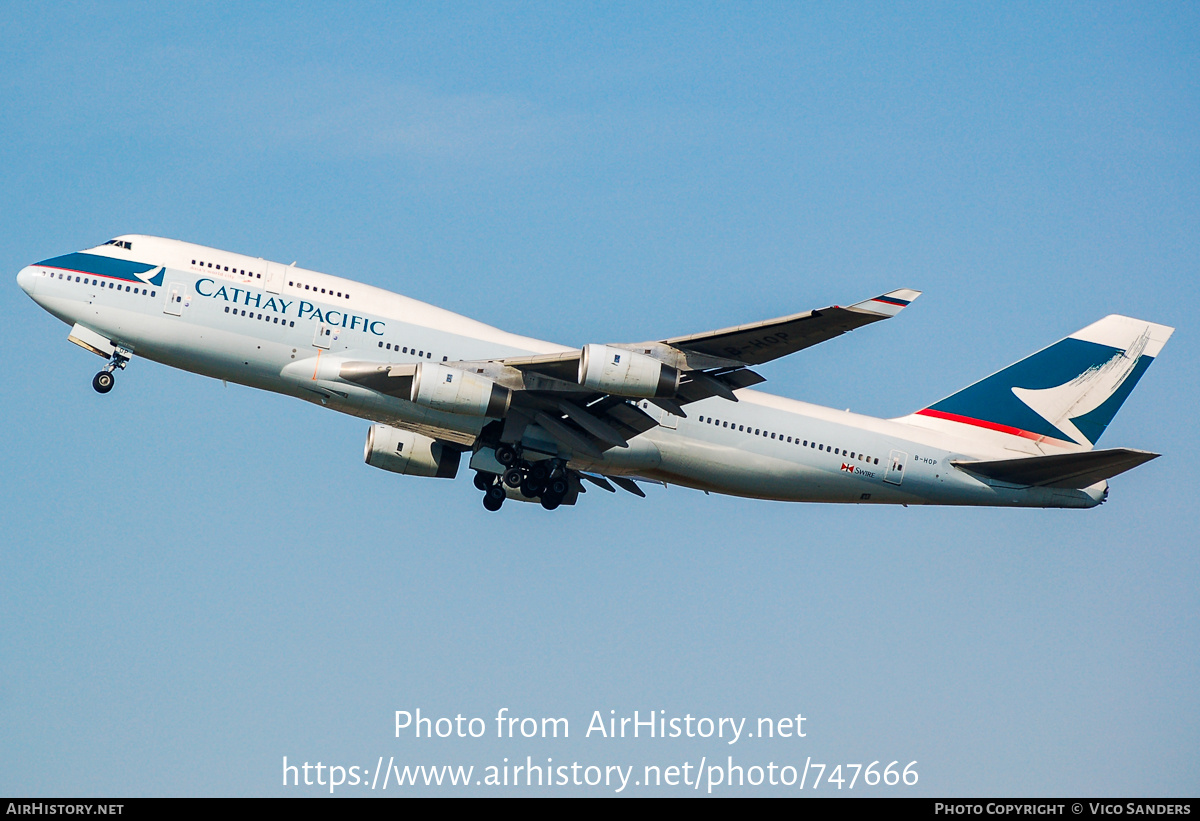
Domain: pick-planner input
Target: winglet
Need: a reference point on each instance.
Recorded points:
(889, 304)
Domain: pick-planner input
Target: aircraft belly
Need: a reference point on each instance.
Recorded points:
(718, 468)
(640, 458)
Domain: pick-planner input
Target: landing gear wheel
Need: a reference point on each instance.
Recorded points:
(506, 455)
(551, 501)
(493, 496)
(558, 487)
(513, 477)
(103, 382)
(539, 472)
(483, 480)
(531, 489)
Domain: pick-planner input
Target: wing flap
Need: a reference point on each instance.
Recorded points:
(1065, 470)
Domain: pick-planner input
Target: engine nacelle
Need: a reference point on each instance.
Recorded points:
(457, 391)
(413, 454)
(625, 373)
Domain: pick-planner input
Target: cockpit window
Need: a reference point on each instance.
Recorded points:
(121, 243)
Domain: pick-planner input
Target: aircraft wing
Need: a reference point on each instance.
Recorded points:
(761, 342)
(599, 396)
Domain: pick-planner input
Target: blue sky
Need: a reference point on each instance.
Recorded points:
(198, 580)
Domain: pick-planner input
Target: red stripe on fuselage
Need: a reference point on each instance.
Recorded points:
(983, 423)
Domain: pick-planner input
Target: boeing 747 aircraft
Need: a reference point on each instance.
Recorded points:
(543, 422)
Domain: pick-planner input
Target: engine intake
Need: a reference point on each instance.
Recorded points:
(457, 391)
(412, 454)
(625, 373)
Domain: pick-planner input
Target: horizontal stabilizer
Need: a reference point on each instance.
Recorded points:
(1067, 470)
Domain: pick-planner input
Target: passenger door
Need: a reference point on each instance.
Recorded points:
(896, 463)
(174, 303)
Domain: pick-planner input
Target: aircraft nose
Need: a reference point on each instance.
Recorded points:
(27, 279)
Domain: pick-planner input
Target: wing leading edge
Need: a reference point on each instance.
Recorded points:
(761, 342)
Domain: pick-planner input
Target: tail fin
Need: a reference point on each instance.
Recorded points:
(1062, 395)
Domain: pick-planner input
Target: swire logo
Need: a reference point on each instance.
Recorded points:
(847, 467)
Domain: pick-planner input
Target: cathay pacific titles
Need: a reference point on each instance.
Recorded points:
(243, 296)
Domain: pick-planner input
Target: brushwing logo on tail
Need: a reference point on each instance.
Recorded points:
(1084, 394)
(1065, 394)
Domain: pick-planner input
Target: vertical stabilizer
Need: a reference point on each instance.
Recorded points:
(1064, 395)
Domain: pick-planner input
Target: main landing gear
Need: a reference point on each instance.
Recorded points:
(103, 382)
(545, 480)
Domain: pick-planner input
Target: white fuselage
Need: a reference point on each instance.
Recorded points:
(288, 330)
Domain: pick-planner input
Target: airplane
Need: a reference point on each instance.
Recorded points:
(540, 422)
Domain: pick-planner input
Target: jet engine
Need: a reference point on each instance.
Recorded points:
(625, 373)
(457, 391)
(402, 451)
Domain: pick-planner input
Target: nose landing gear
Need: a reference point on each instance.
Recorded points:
(103, 382)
